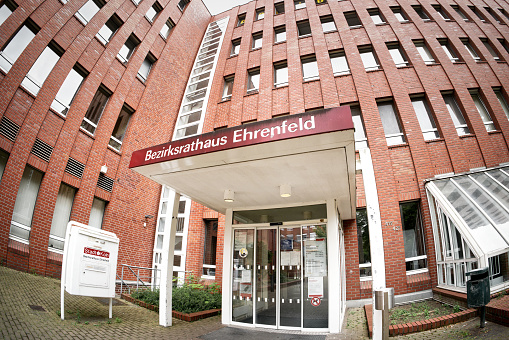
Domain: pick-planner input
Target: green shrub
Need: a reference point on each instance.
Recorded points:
(190, 298)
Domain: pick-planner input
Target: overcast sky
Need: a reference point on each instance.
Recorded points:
(219, 6)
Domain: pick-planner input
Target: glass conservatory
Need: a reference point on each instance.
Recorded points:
(470, 217)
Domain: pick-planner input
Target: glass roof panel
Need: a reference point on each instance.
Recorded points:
(481, 230)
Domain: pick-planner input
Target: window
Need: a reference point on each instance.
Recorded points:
(483, 111)
(279, 8)
(235, 47)
(279, 34)
(303, 28)
(392, 128)
(253, 80)
(426, 121)
(363, 244)
(241, 19)
(109, 28)
(136, 2)
(470, 49)
(320, 2)
(376, 16)
(399, 14)
(413, 236)
(477, 13)
(146, 66)
(126, 51)
(61, 216)
(95, 110)
(209, 248)
(228, 87)
(280, 74)
(68, 90)
(441, 12)
(88, 10)
(421, 13)
(456, 115)
(120, 128)
(502, 101)
(299, 4)
(369, 59)
(97, 213)
(153, 12)
(26, 198)
(182, 4)
(42, 67)
(501, 10)
(448, 50)
(424, 52)
(359, 133)
(16, 45)
(257, 40)
(493, 14)
(460, 12)
(397, 54)
(260, 13)
(6, 10)
(353, 19)
(328, 24)
(4, 156)
(490, 49)
(339, 62)
(504, 43)
(309, 68)
(167, 28)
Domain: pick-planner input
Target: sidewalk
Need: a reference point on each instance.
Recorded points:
(29, 307)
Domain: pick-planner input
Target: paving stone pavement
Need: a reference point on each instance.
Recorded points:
(22, 295)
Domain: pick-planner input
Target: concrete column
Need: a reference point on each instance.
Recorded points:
(226, 312)
(165, 290)
(376, 240)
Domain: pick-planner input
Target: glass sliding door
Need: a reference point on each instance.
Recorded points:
(266, 253)
(290, 277)
(280, 277)
(242, 280)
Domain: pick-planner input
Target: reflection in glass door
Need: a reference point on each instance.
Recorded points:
(290, 282)
(266, 253)
(242, 280)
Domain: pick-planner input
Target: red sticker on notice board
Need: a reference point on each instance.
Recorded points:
(100, 253)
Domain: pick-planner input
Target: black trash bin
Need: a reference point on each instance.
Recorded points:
(478, 291)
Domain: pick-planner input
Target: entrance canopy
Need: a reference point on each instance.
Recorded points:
(291, 160)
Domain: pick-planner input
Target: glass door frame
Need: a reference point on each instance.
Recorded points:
(272, 226)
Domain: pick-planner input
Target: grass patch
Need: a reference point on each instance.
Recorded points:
(420, 311)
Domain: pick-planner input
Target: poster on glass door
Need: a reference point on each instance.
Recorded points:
(315, 257)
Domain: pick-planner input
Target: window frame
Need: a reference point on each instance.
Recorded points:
(80, 71)
(280, 65)
(253, 77)
(42, 68)
(482, 110)
(277, 11)
(309, 59)
(156, 9)
(228, 83)
(303, 25)
(401, 12)
(299, 4)
(257, 41)
(421, 239)
(339, 54)
(117, 135)
(392, 138)
(10, 53)
(457, 116)
(113, 24)
(352, 19)
(396, 46)
(471, 50)
(375, 13)
(152, 60)
(102, 90)
(449, 50)
(131, 41)
(424, 52)
(491, 49)
(260, 13)
(277, 31)
(328, 19)
(365, 50)
(171, 25)
(235, 45)
(425, 117)
(241, 20)
(421, 13)
(79, 15)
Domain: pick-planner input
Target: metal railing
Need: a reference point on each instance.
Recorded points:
(147, 278)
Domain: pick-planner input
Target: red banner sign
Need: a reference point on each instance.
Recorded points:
(299, 125)
(95, 252)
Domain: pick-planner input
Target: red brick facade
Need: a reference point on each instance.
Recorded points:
(400, 170)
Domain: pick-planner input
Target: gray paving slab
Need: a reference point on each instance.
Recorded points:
(87, 318)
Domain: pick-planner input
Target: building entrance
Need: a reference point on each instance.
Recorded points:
(280, 276)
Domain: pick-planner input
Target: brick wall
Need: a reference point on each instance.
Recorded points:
(156, 103)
